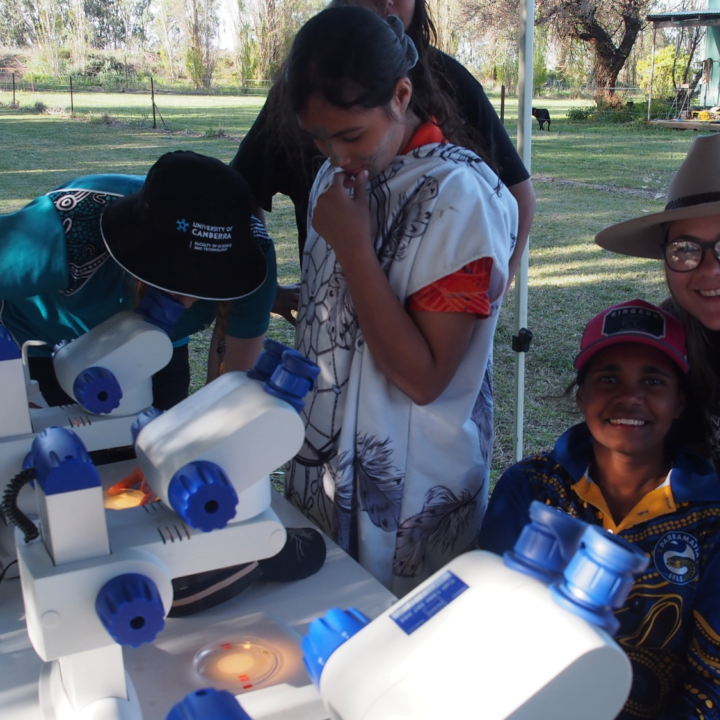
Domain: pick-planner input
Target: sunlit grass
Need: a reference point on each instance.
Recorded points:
(570, 280)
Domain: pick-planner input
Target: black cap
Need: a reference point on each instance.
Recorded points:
(188, 230)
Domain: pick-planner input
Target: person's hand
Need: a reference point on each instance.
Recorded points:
(342, 218)
(134, 479)
(287, 299)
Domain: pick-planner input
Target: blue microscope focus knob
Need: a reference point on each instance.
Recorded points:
(143, 419)
(201, 494)
(208, 704)
(269, 359)
(97, 390)
(131, 610)
(9, 349)
(293, 379)
(599, 577)
(326, 635)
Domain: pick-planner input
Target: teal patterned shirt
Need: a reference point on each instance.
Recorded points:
(57, 279)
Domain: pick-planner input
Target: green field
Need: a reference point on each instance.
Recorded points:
(586, 177)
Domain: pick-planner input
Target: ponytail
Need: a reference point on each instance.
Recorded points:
(221, 320)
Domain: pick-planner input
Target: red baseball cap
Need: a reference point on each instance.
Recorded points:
(635, 321)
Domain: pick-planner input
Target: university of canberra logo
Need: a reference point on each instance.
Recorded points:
(676, 557)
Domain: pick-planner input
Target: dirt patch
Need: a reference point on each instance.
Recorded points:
(647, 194)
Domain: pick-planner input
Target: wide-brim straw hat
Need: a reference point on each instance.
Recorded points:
(694, 192)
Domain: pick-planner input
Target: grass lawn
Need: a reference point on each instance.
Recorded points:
(586, 177)
(198, 113)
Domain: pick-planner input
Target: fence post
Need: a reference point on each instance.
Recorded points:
(13, 88)
(152, 93)
(652, 74)
(72, 102)
(502, 104)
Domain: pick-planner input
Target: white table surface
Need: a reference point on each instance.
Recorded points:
(160, 671)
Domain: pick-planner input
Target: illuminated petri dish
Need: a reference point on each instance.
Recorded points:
(124, 500)
(238, 666)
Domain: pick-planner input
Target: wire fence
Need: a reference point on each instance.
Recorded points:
(562, 90)
(630, 104)
(144, 101)
(12, 80)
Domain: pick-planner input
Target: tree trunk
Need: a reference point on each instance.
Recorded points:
(693, 45)
(610, 58)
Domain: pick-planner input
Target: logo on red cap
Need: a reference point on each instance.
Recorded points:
(634, 319)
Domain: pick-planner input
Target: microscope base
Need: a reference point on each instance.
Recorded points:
(55, 704)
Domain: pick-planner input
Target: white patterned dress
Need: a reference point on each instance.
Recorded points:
(401, 487)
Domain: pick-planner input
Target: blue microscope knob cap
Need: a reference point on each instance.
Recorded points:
(131, 610)
(9, 349)
(326, 635)
(208, 704)
(145, 417)
(97, 390)
(201, 494)
(62, 463)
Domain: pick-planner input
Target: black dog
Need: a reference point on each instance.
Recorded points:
(542, 116)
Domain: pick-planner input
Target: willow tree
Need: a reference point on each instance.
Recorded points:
(202, 26)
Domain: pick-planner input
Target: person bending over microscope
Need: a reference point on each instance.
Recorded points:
(93, 247)
(102, 244)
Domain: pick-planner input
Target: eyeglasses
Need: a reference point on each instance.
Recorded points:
(684, 255)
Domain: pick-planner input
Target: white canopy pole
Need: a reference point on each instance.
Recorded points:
(525, 92)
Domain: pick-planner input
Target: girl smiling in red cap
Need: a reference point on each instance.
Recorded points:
(686, 236)
(618, 470)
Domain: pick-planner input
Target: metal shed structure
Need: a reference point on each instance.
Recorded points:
(709, 18)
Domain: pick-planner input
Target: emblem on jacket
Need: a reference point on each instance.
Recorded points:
(676, 557)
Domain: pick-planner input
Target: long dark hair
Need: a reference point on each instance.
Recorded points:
(703, 348)
(422, 29)
(352, 57)
(703, 352)
(424, 34)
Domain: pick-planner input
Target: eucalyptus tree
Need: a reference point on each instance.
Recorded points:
(609, 28)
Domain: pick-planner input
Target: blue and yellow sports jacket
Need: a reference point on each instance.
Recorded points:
(670, 624)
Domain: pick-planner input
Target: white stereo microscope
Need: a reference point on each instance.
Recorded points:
(107, 371)
(524, 637)
(94, 580)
